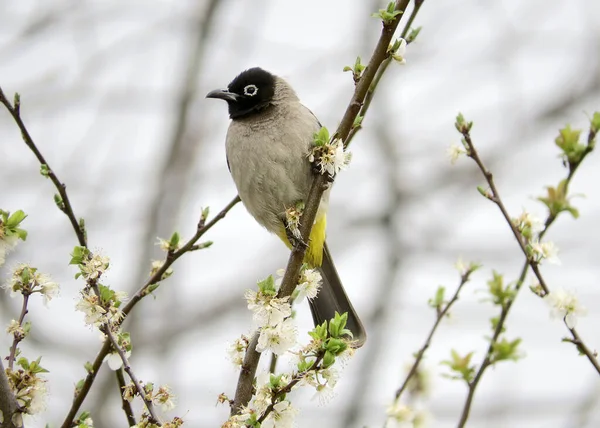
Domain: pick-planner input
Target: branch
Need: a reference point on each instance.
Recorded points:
(18, 338)
(125, 405)
(529, 263)
(8, 402)
(138, 386)
(64, 204)
(371, 91)
(243, 392)
(440, 316)
(154, 279)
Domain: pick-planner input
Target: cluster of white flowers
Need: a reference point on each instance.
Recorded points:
(292, 220)
(89, 304)
(528, 224)
(93, 267)
(28, 280)
(565, 305)
(237, 350)
(271, 314)
(309, 284)
(545, 251)
(400, 415)
(331, 157)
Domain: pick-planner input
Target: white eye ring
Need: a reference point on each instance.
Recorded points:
(250, 90)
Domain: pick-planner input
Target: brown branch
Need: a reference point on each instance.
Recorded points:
(243, 392)
(529, 263)
(65, 204)
(138, 385)
(8, 402)
(125, 405)
(17, 339)
(169, 260)
(440, 316)
(371, 91)
(288, 388)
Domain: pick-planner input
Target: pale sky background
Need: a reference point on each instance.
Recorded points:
(102, 84)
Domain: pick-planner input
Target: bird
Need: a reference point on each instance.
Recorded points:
(267, 146)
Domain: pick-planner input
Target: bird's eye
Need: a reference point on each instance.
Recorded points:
(250, 90)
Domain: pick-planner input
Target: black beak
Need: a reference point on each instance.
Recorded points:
(223, 94)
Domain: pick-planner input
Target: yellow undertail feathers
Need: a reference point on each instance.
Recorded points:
(314, 252)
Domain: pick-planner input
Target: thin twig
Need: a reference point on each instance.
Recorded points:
(138, 386)
(17, 339)
(529, 263)
(125, 404)
(288, 388)
(371, 92)
(243, 392)
(155, 278)
(440, 316)
(65, 205)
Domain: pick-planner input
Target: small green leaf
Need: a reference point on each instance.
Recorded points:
(438, 298)
(15, 219)
(44, 170)
(267, 286)
(461, 366)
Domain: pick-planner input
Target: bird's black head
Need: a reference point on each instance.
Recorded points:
(250, 92)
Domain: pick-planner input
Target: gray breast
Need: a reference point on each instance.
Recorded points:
(267, 155)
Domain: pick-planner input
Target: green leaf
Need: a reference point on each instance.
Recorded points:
(78, 254)
(461, 366)
(322, 137)
(44, 170)
(568, 142)
(15, 219)
(267, 286)
(174, 241)
(412, 35)
(595, 122)
(505, 350)
(557, 200)
(501, 293)
(438, 298)
(328, 359)
(319, 333)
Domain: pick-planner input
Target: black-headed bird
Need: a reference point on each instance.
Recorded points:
(267, 148)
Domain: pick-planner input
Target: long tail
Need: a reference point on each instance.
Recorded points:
(332, 298)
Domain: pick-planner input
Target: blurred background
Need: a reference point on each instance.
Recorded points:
(113, 94)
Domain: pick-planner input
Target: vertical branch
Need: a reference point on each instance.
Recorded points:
(319, 185)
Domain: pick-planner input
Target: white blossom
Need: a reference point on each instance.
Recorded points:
(545, 250)
(94, 267)
(164, 398)
(263, 397)
(529, 221)
(48, 288)
(565, 305)
(114, 360)
(309, 284)
(237, 351)
(399, 54)
(399, 416)
(333, 158)
(454, 152)
(282, 416)
(7, 243)
(268, 310)
(90, 307)
(279, 338)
